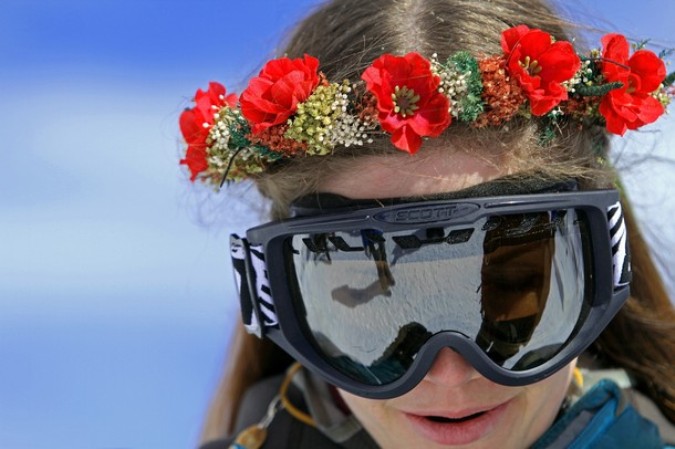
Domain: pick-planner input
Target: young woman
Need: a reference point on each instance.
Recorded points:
(449, 259)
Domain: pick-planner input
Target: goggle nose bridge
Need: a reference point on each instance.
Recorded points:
(460, 343)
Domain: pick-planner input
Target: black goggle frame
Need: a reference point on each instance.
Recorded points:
(262, 277)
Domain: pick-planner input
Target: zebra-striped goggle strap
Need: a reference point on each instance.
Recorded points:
(519, 285)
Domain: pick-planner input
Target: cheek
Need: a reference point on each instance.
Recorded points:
(370, 412)
(378, 419)
(542, 401)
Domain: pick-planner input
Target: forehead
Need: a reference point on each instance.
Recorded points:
(404, 175)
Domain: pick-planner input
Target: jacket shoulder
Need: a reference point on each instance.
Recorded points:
(647, 408)
(284, 432)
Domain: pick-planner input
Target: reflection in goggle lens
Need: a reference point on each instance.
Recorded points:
(514, 284)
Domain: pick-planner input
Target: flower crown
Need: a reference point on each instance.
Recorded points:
(291, 110)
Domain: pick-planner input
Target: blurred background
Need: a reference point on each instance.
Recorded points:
(115, 287)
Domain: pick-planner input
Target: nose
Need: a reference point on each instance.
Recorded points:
(450, 369)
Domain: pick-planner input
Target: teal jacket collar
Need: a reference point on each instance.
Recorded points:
(601, 419)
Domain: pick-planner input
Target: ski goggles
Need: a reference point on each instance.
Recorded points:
(366, 296)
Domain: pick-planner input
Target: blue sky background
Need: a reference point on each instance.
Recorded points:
(115, 286)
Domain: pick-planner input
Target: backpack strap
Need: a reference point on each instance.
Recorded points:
(284, 430)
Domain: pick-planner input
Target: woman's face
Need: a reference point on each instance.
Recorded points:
(505, 417)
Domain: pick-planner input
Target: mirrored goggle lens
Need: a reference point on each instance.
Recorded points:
(514, 284)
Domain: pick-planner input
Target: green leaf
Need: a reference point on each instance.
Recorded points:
(666, 53)
(597, 90)
(641, 44)
(546, 136)
(670, 79)
(471, 104)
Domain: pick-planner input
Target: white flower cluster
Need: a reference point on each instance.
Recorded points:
(219, 137)
(219, 155)
(583, 76)
(348, 130)
(453, 84)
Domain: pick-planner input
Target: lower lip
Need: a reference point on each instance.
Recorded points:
(458, 433)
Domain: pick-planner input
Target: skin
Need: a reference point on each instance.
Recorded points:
(452, 387)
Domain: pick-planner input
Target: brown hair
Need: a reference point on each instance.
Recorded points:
(346, 36)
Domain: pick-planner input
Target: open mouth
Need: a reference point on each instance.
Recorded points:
(458, 429)
(443, 419)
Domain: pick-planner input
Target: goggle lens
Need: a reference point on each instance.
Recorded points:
(514, 284)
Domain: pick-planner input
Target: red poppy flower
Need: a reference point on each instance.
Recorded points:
(272, 97)
(214, 99)
(539, 65)
(632, 105)
(408, 102)
(195, 159)
(196, 123)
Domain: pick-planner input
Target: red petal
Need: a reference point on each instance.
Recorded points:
(650, 68)
(433, 119)
(650, 109)
(257, 90)
(205, 108)
(525, 80)
(615, 123)
(255, 106)
(390, 121)
(212, 96)
(405, 139)
(542, 101)
(535, 43)
(615, 47)
(615, 56)
(195, 159)
(511, 37)
(372, 77)
(255, 111)
(633, 110)
(231, 100)
(272, 97)
(312, 64)
(375, 80)
(559, 63)
(276, 68)
(191, 126)
(419, 70)
(379, 78)
(287, 89)
(396, 70)
(215, 91)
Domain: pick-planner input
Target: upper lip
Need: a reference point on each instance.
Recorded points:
(455, 414)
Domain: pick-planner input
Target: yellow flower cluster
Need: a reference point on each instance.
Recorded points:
(324, 121)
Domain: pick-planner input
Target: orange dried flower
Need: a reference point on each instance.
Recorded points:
(581, 107)
(273, 138)
(501, 95)
(367, 108)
